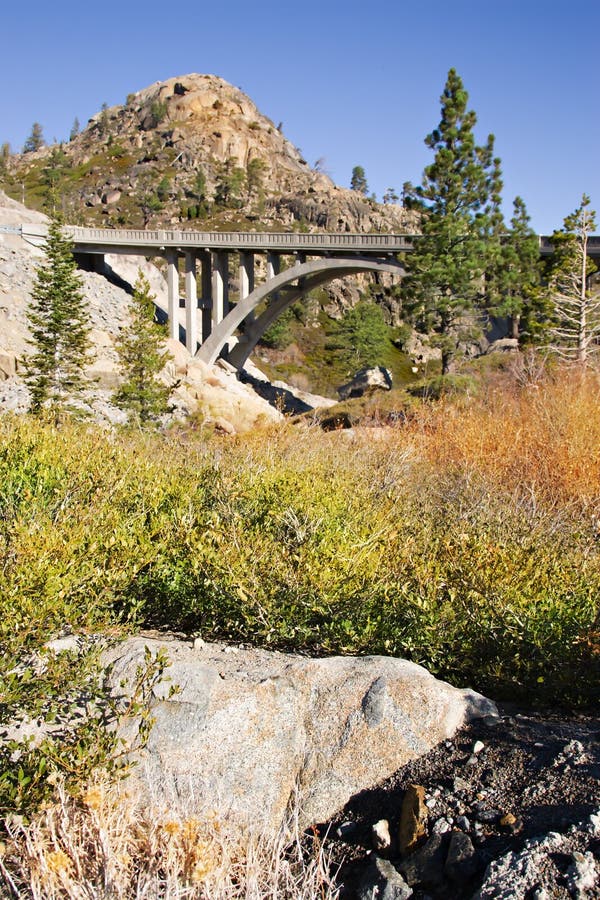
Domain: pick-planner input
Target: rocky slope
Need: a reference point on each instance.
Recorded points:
(187, 147)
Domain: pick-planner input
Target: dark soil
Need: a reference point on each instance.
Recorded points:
(541, 770)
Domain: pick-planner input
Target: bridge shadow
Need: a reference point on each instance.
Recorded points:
(278, 397)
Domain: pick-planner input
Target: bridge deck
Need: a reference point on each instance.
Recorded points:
(116, 240)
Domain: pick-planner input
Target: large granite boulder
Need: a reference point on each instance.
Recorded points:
(248, 729)
(365, 381)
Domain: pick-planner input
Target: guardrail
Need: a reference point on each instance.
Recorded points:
(162, 239)
(392, 243)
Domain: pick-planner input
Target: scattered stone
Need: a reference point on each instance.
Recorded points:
(459, 784)
(70, 643)
(346, 830)
(485, 814)
(462, 860)
(413, 819)
(583, 874)
(441, 826)
(478, 746)
(199, 643)
(426, 865)
(380, 835)
(111, 197)
(463, 823)
(383, 881)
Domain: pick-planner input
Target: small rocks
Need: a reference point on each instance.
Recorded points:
(413, 818)
(583, 874)
(426, 865)
(382, 880)
(380, 835)
(462, 861)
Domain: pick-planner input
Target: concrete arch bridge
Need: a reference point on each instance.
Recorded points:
(294, 264)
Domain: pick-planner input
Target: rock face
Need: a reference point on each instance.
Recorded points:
(248, 728)
(192, 124)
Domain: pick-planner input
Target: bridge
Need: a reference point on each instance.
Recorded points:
(290, 265)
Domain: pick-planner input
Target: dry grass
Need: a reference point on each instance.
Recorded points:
(106, 845)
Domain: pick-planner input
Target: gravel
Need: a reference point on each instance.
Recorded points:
(513, 811)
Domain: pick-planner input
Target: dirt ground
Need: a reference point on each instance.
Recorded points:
(505, 784)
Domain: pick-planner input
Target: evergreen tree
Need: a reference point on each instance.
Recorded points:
(522, 299)
(74, 129)
(4, 157)
(35, 141)
(362, 337)
(142, 358)
(230, 185)
(575, 330)
(358, 182)
(446, 268)
(58, 321)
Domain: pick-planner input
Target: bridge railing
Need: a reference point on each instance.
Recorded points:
(242, 240)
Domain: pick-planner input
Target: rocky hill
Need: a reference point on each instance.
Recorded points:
(195, 152)
(187, 148)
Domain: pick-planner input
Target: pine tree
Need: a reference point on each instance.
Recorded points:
(58, 321)
(522, 299)
(362, 338)
(142, 358)
(358, 181)
(446, 268)
(35, 141)
(575, 331)
(74, 129)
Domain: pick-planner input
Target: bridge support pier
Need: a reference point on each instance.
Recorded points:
(273, 267)
(206, 293)
(220, 287)
(191, 304)
(246, 276)
(173, 293)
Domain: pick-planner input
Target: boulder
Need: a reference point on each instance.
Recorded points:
(502, 345)
(8, 364)
(365, 381)
(111, 197)
(247, 730)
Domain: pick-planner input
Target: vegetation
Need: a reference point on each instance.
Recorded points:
(358, 181)
(446, 268)
(58, 321)
(362, 337)
(438, 542)
(575, 328)
(141, 357)
(35, 141)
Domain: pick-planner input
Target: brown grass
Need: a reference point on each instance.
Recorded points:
(106, 844)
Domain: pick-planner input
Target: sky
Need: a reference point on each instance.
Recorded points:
(354, 82)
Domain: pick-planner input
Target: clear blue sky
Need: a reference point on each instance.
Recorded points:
(354, 81)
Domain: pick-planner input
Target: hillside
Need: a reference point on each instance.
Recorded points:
(195, 152)
(189, 147)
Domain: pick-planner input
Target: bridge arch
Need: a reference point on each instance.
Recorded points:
(288, 287)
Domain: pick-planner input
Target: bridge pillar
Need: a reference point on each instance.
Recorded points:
(191, 303)
(173, 292)
(206, 304)
(246, 274)
(273, 265)
(273, 268)
(220, 286)
(247, 277)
